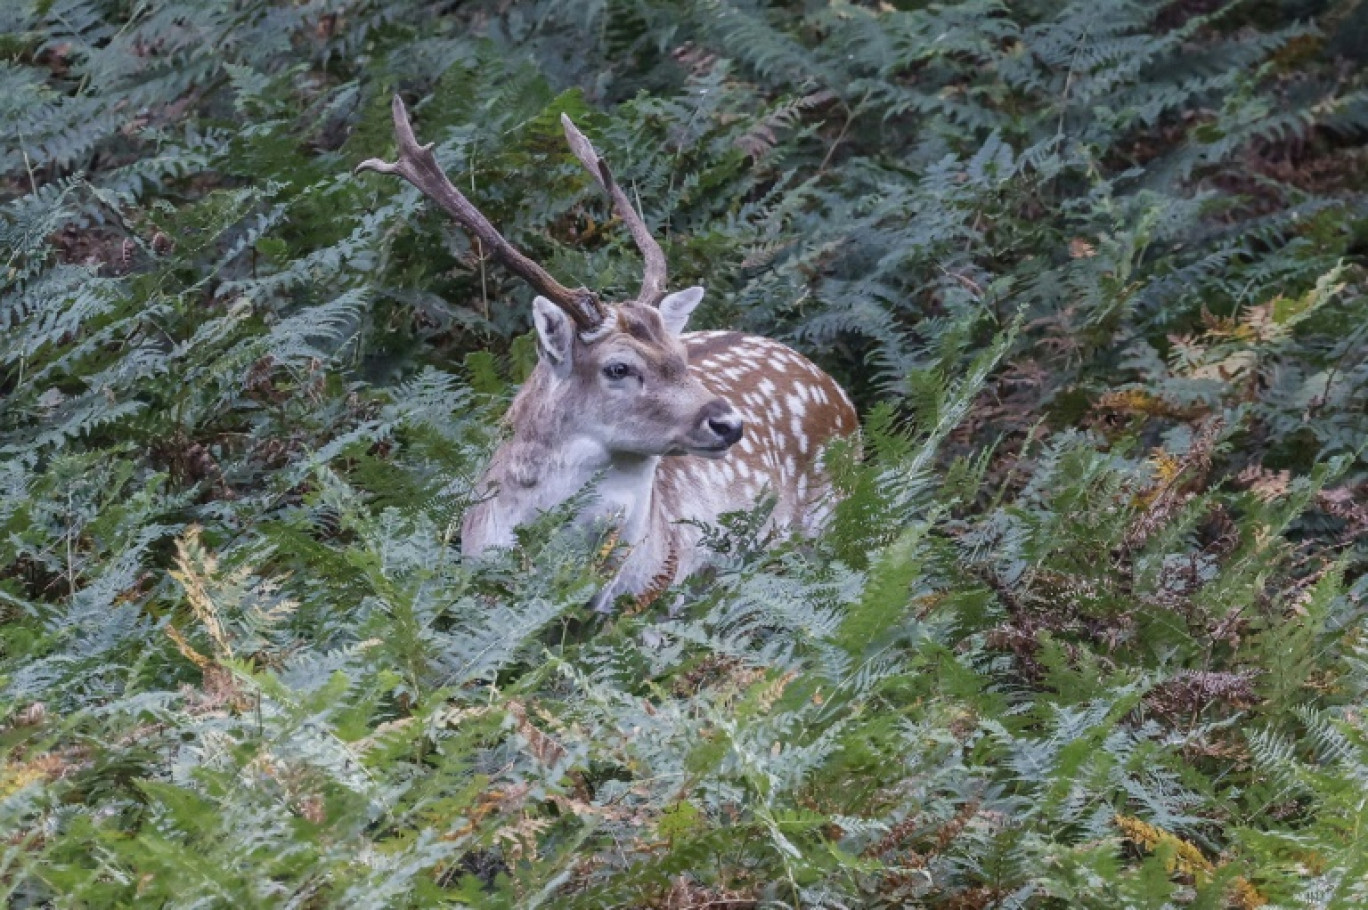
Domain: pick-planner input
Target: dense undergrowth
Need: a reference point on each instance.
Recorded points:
(1088, 631)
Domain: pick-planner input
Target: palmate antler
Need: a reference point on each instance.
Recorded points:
(418, 165)
(653, 284)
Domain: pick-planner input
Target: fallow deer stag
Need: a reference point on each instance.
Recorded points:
(674, 428)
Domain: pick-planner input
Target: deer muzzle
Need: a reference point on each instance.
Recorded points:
(719, 427)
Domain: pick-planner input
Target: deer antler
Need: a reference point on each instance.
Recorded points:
(418, 166)
(653, 284)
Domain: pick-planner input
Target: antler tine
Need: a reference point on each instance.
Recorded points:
(653, 283)
(418, 165)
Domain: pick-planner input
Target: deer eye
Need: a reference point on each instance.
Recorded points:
(617, 371)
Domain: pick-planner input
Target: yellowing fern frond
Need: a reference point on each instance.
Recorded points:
(195, 569)
(1186, 859)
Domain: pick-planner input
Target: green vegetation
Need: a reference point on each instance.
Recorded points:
(1087, 632)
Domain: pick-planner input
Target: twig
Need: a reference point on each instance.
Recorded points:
(840, 136)
(28, 165)
(479, 252)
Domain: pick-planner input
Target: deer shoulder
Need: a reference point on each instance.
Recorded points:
(791, 410)
(665, 430)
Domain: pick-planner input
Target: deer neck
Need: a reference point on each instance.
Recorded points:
(531, 474)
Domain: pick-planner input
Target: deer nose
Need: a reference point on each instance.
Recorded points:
(722, 419)
(727, 429)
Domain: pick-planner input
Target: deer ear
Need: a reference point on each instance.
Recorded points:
(676, 307)
(555, 335)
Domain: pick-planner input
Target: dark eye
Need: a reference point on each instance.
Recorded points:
(617, 371)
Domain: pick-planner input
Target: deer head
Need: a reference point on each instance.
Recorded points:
(630, 390)
(612, 379)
